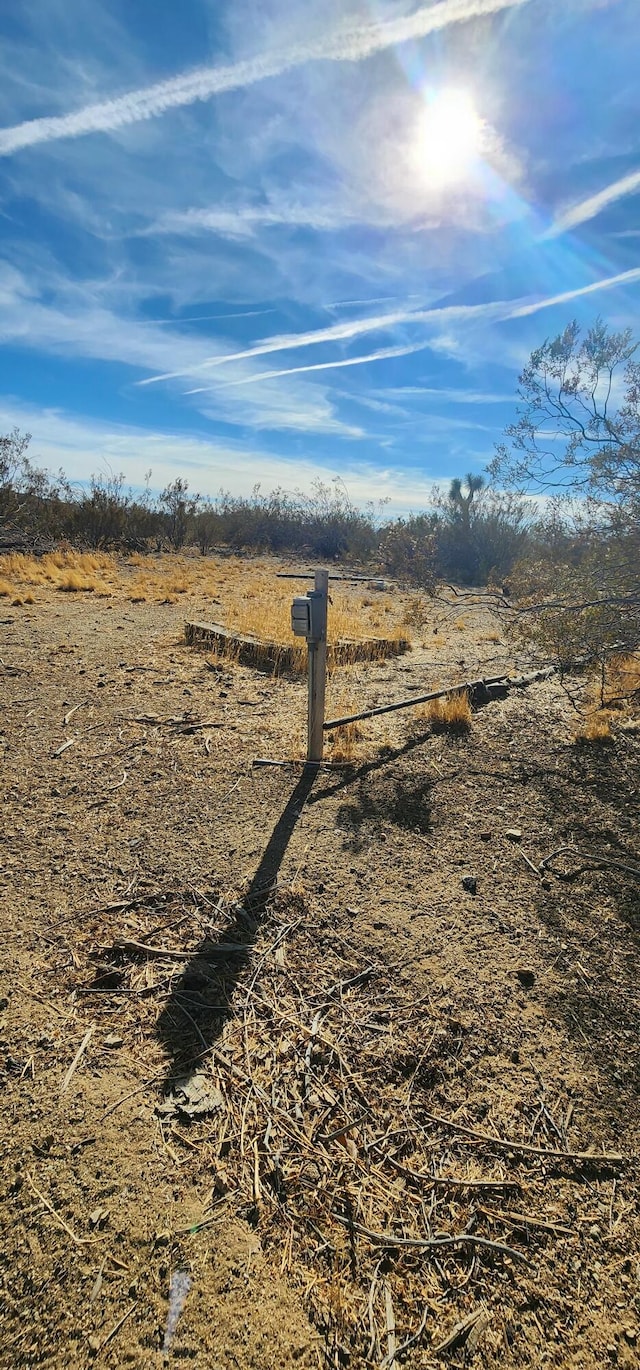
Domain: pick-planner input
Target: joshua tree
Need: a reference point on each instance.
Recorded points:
(460, 502)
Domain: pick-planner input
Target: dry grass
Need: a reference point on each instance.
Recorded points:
(72, 581)
(73, 572)
(614, 704)
(595, 729)
(6, 588)
(343, 742)
(452, 713)
(623, 679)
(460, 625)
(248, 597)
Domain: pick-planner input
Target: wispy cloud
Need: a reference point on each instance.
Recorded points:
(346, 44)
(54, 316)
(244, 221)
(381, 355)
(587, 209)
(494, 311)
(450, 395)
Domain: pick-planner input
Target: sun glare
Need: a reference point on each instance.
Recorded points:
(450, 137)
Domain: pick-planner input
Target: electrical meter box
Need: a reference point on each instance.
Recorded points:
(301, 616)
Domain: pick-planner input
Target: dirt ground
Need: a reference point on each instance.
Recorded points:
(366, 1124)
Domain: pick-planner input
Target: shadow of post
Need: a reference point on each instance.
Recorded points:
(201, 998)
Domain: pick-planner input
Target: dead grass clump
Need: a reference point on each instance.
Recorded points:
(343, 741)
(6, 588)
(623, 679)
(460, 625)
(595, 729)
(62, 570)
(73, 581)
(139, 591)
(452, 713)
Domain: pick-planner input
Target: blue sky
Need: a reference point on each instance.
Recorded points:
(223, 254)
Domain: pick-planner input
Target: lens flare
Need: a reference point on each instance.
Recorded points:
(450, 137)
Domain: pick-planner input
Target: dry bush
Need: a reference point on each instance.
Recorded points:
(6, 588)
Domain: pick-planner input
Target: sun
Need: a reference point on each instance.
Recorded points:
(450, 137)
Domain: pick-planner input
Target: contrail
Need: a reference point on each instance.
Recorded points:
(497, 311)
(347, 44)
(379, 356)
(338, 332)
(624, 278)
(587, 209)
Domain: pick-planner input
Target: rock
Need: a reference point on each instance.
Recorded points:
(193, 1097)
(113, 1039)
(470, 884)
(526, 977)
(514, 834)
(486, 836)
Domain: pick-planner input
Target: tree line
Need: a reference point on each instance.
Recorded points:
(468, 533)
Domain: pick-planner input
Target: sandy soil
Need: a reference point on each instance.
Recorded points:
(376, 1003)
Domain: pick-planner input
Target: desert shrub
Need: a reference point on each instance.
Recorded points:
(407, 550)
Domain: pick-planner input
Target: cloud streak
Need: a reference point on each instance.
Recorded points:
(584, 210)
(497, 311)
(339, 332)
(381, 355)
(347, 43)
(608, 283)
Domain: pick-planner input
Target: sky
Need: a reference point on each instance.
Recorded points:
(275, 241)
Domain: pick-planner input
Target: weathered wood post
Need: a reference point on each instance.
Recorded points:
(317, 645)
(309, 619)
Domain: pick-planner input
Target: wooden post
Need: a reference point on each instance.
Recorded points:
(317, 647)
